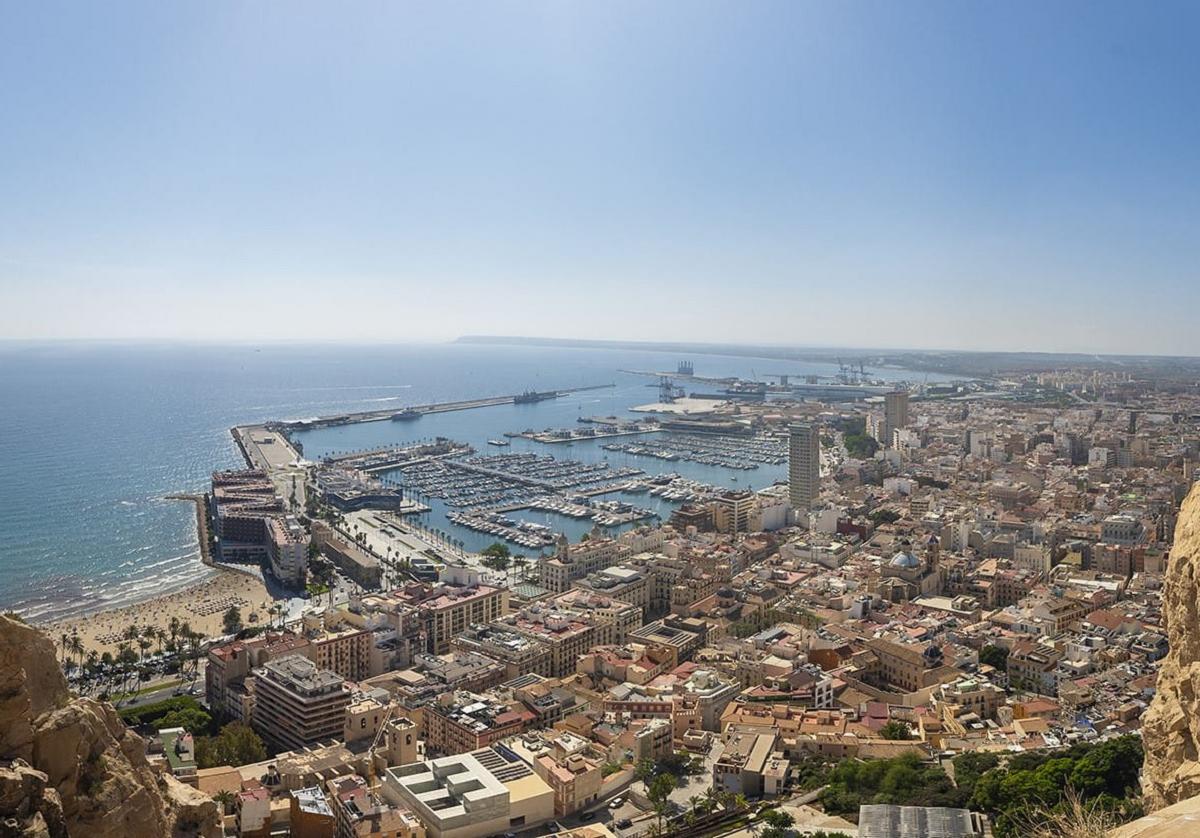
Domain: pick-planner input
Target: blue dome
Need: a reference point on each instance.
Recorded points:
(905, 560)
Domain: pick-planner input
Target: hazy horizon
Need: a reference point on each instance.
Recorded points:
(933, 176)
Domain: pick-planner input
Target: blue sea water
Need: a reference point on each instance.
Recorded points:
(92, 436)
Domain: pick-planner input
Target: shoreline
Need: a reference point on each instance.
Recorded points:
(202, 605)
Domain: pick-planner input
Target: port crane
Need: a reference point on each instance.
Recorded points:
(667, 391)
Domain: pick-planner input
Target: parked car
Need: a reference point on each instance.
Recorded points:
(616, 803)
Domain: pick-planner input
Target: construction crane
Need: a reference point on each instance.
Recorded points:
(380, 735)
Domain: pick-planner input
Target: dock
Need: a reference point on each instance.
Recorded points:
(392, 456)
(557, 436)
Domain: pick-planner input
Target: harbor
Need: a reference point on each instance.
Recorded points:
(560, 479)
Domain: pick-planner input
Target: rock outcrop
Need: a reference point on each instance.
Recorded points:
(1171, 727)
(70, 767)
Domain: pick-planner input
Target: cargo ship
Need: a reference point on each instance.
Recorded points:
(532, 396)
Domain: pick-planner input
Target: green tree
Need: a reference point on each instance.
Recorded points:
(193, 720)
(778, 823)
(496, 563)
(225, 798)
(496, 549)
(994, 656)
(235, 745)
(860, 446)
(232, 621)
(897, 730)
(658, 790)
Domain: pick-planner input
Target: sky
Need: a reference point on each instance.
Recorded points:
(965, 175)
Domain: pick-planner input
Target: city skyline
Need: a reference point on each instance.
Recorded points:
(934, 176)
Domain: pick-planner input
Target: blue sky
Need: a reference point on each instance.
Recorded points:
(941, 175)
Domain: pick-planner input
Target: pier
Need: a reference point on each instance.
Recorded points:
(606, 430)
(394, 456)
(416, 411)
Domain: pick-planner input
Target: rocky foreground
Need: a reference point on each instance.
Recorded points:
(70, 767)
(1171, 727)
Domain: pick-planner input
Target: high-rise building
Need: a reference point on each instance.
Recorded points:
(804, 465)
(895, 415)
(297, 704)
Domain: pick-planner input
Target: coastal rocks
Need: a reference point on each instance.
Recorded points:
(70, 767)
(1171, 727)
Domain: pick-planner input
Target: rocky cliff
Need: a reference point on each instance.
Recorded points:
(69, 766)
(1171, 728)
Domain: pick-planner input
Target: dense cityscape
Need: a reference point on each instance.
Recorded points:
(955, 590)
(568, 419)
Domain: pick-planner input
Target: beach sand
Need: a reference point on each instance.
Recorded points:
(202, 606)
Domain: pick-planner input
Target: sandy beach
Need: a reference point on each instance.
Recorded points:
(202, 606)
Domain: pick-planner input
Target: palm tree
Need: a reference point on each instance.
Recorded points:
(76, 648)
(225, 798)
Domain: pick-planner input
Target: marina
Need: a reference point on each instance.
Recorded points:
(509, 480)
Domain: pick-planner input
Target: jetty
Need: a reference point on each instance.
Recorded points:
(416, 411)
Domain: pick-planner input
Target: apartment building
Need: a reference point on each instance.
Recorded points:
(361, 813)
(452, 609)
(518, 653)
(743, 762)
(462, 721)
(571, 562)
(297, 703)
(229, 665)
(622, 582)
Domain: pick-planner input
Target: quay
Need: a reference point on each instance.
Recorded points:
(416, 411)
(394, 456)
(559, 436)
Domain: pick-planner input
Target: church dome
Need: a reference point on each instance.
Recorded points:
(905, 560)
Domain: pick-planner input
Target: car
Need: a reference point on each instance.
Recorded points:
(616, 804)
(624, 823)
(587, 816)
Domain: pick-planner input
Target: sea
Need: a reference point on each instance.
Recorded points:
(94, 436)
